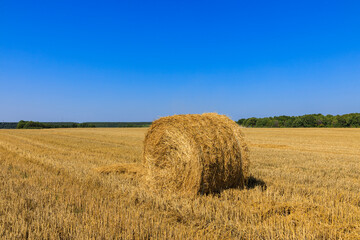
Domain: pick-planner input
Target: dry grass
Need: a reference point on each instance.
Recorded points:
(195, 153)
(49, 189)
(122, 168)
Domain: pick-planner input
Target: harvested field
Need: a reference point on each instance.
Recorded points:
(84, 183)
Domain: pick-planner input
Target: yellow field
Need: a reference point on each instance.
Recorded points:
(305, 185)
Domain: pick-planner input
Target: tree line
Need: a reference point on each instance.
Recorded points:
(8, 125)
(39, 125)
(121, 124)
(308, 120)
(351, 120)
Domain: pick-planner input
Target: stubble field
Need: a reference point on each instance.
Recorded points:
(305, 184)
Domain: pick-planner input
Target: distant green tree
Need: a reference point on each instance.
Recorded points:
(251, 122)
(298, 122)
(34, 125)
(339, 121)
(289, 123)
(21, 124)
(263, 122)
(328, 120)
(320, 120)
(355, 120)
(275, 123)
(281, 120)
(309, 121)
(241, 121)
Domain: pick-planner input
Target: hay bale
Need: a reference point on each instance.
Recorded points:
(195, 154)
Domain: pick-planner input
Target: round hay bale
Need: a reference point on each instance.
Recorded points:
(195, 153)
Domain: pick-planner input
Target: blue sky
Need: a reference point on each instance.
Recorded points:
(140, 60)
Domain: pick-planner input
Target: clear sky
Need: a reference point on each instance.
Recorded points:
(139, 60)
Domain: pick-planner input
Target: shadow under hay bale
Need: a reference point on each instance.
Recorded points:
(191, 154)
(254, 182)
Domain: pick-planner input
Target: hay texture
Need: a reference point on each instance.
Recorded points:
(121, 168)
(195, 153)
